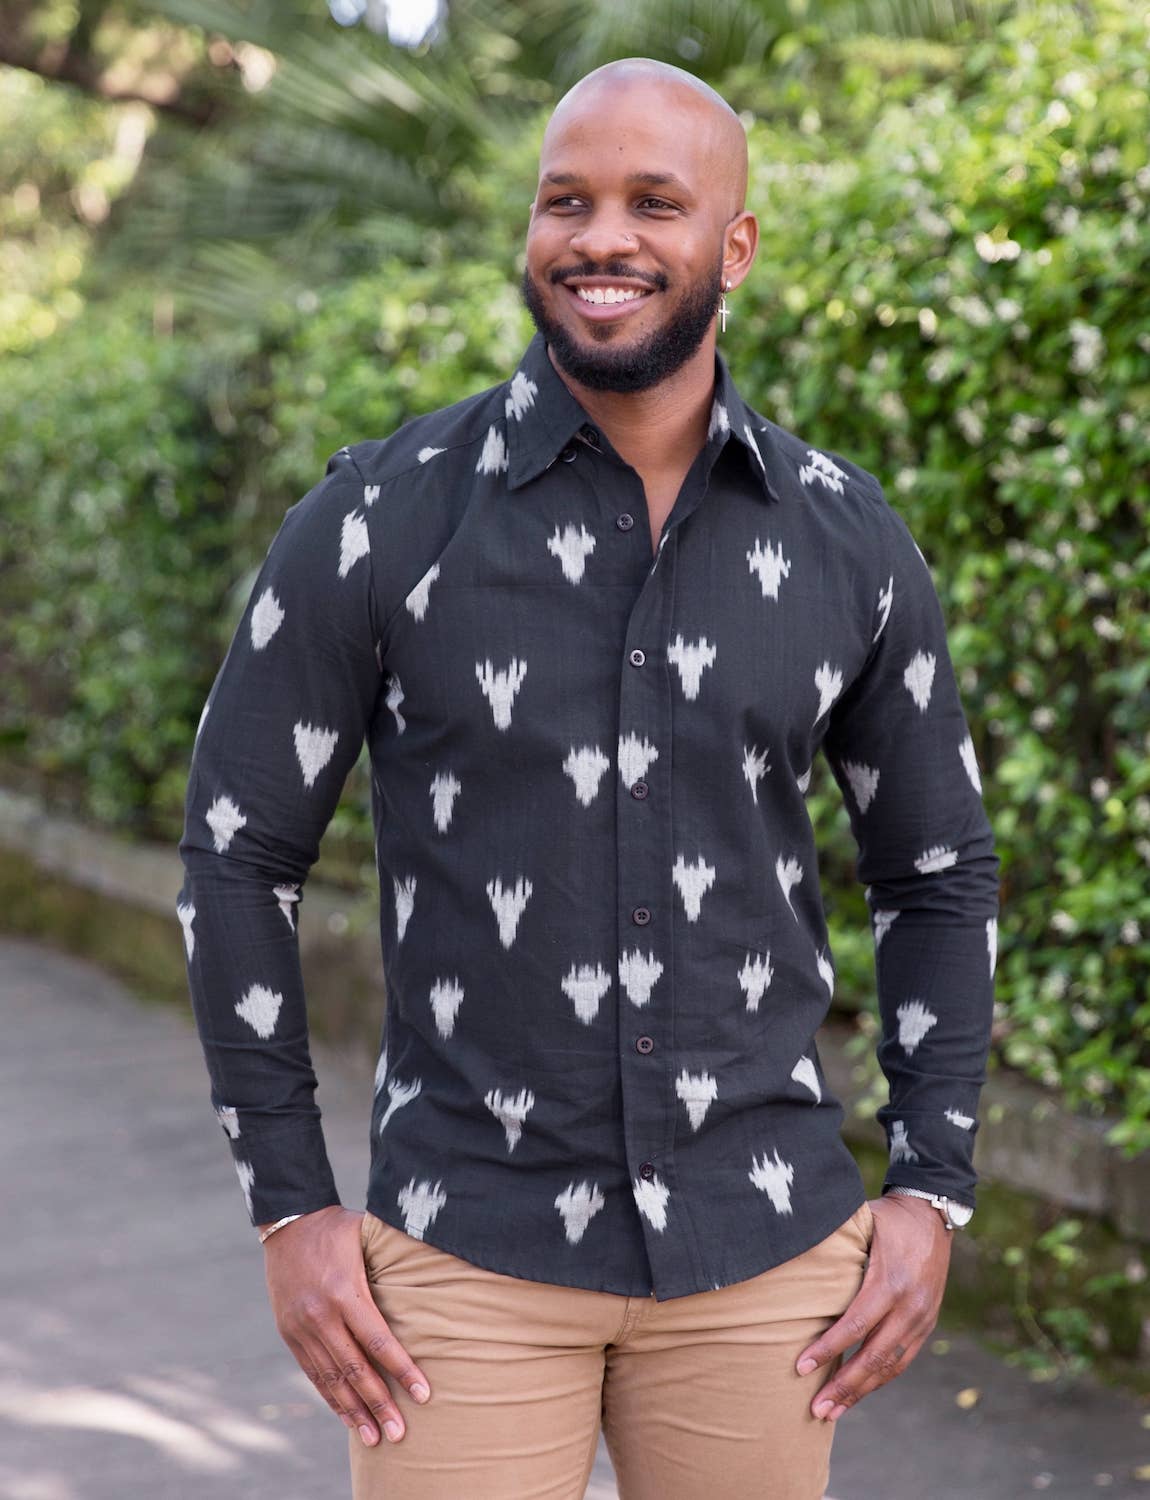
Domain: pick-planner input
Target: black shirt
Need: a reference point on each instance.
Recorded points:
(602, 931)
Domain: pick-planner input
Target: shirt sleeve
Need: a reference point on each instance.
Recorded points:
(899, 747)
(283, 725)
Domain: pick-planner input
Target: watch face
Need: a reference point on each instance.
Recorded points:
(960, 1213)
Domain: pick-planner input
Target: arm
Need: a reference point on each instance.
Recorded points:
(284, 724)
(900, 749)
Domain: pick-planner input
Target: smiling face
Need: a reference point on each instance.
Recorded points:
(636, 223)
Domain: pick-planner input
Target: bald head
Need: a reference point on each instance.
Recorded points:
(681, 103)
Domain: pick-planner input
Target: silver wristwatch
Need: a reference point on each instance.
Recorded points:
(954, 1215)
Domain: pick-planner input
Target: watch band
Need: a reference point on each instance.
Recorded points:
(944, 1205)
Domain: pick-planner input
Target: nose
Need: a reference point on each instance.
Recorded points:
(603, 237)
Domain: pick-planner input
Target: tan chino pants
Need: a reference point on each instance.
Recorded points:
(697, 1396)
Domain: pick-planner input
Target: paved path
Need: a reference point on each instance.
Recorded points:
(138, 1357)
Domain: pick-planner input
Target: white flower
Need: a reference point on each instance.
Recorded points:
(1062, 921)
(1099, 788)
(1131, 932)
(1042, 718)
(1106, 628)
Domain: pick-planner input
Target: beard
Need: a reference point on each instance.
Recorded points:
(638, 365)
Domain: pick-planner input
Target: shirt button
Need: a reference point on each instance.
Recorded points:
(644, 1044)
(637, 657)
(647, 1170)
(568, 454)
(589, 435)
(625, 521)
(641, 916)
(639, 790)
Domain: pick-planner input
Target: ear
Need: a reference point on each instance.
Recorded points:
(740, 245)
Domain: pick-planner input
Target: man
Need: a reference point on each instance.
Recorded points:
(594, 624)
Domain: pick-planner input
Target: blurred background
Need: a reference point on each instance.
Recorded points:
(238, 234)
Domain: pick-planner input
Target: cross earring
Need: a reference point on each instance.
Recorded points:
(724, 310)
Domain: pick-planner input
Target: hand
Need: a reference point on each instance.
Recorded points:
(325, 1314)
(894, 1311)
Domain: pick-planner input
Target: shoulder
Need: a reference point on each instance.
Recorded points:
(453, 436)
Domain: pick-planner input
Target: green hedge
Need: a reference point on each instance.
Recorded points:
(962, 304)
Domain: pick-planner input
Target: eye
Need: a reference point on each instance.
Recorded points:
(564, 201)
(656, 203)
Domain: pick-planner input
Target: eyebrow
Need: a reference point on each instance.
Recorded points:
(636, 179)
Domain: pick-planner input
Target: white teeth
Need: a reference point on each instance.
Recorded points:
(600, 294)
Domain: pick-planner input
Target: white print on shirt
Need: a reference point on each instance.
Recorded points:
(918, 679)
(493, 459)
(370, 494)
(863, 782)
(508, 906)
(697, 1091)
(203, 716)
(690, 660)
(572, 548)
(956, 1117)
(500, 688)
(826, 971)
(585, 767)
(267, 617)
(652, 1200)
(404, 904)
(314, 747)
(992, 943)
(380, 1069)
(693, 881)
(286, 897)
(578, 1203)
(521, 396)
(885, 600)
(260, 1008)
(914, 1021)
(230, 1120)
(829, 681)
(755, 978)
(416, 601)
(936, 858)
(755, 767)
(774, 1178)
(638, 974)
(804, 781)
(247, 1175)
(225, 820)
(719, 422)
(444, 789)
(805, 1072)
(353, 542)
(900, 1147)
(970, 761)
(398, 1095)
(393, 699)
(883, 922)
(446, 998)
(510, 1112)
(750, 437)
(822, 468)
(585, 985)
(425, 455)
(789, 873)
(771, 567)
(421, 1204)
(635, 755)
(187, 915)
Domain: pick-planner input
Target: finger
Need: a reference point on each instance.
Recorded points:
(341, 1371)
(373, 1334)
(882, 1357)
(865, 1310)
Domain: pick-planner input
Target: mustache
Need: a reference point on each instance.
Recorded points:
(657, 281)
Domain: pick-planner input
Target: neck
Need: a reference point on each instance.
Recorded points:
(662, 428)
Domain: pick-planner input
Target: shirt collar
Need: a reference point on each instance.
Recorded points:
(543, 418)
